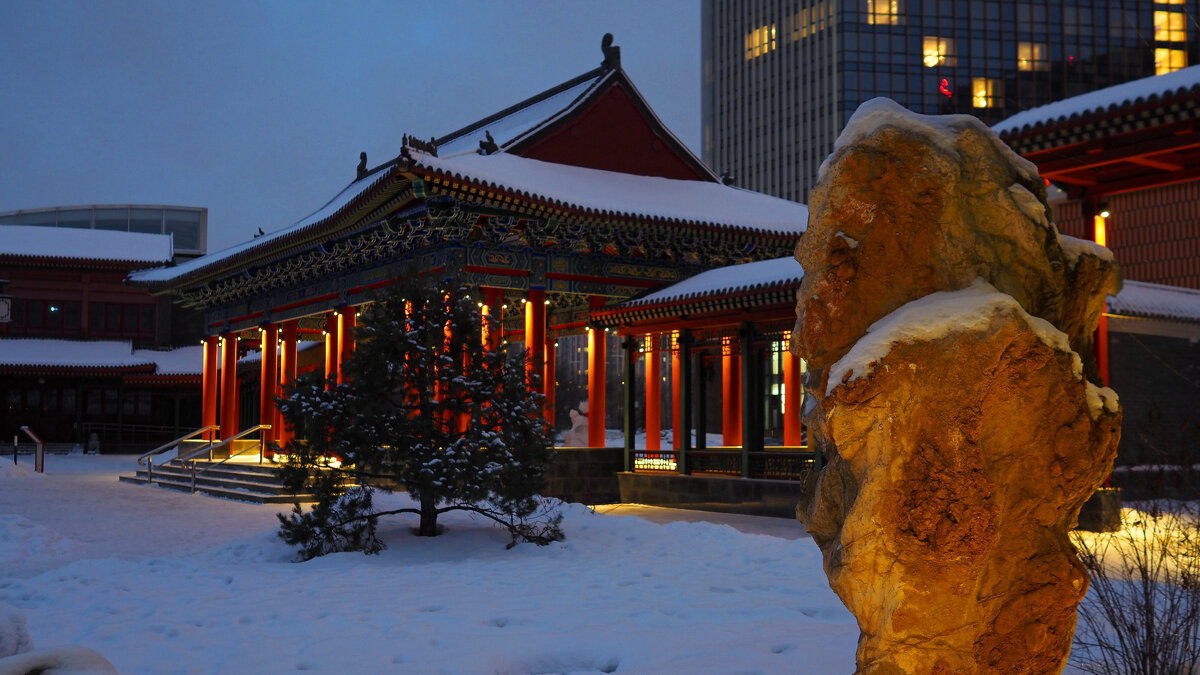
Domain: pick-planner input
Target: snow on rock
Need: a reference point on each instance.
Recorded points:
(935, 316)
(941, 130)
(58, 661)
(1101, 399)
(1073, 248)
(14, 636)
(1029, 204)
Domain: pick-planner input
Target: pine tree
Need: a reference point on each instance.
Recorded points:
(425, 407)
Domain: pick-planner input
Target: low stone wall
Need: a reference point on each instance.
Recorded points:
(587, 475)
(712, 493)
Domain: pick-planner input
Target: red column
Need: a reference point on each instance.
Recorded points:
(287, 376)
(229, 387)
(535, 334)
(791, 399)
(331, 345)
(347, 320)
(209, 386)
(676, 393)
(270, 381)
(597, 349)
(653, 395)
(731, 395)
(549, 380)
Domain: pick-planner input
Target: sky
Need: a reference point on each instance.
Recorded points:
(258, 110)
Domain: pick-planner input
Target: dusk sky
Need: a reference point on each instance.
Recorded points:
(258, 110)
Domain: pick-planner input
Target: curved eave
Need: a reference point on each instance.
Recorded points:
(75, 371)
(58, 262)
(1047, 133)
(391, 181)
(555, 207)
(700, 305)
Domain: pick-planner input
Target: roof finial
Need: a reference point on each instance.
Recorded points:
(612, 53)
(488, 145)
(362, 165)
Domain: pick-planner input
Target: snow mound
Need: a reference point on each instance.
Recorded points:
(69, 660)
(937, 315)
(14, 636)
(21, 539)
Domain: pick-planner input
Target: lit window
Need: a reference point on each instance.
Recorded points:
(985, 92)
(1169, 60)
(883, 12)
(1032, 56)
(938, 51)
(760, 41)
(1169, 27)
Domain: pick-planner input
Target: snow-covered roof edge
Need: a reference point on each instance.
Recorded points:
(40, 241)
(1117, 96)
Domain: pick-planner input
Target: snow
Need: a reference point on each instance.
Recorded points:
(1101, 399)
(85, 244)
(933, 317)
(941, 130)
(746, 276)
(52, 353)
(1139, 298)
(1102, 99)
(165, 582)
(1074, 247)
(625, 195)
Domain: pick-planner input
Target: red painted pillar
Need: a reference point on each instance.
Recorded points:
(731, 395)
(209, 386)
(535, 334)
(791, 399)
(347, 321)
(331, 345)
(597, 377)
(287, 376)
(653, 395)
(230, 424)
(549, 379)
(676, 392)
(270, 381)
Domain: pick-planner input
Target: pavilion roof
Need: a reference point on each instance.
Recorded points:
(1156, 301)
(103, 355)
(1181, 82)
(38, 242)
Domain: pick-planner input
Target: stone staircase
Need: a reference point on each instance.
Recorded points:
(240, 481)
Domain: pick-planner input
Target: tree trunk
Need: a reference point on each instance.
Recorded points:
(429, 515)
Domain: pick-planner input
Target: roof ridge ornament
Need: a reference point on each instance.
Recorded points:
(362, 166)
(488, 145)
(428, 147)
(612, 53)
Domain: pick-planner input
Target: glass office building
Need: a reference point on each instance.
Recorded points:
(188, 225)
(781, 77)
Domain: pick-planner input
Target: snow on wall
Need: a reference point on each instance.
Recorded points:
(935, 316)
(85, 244)
(1102, 99)
(941, 130)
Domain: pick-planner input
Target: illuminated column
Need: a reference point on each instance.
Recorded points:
(331, 345)
(792, 393)
(493, 318)
(209, 386)
(287, 375)
(597, 353)
(535, 335)
(731, 394)
(653, 396)
(548, 379)
(1100, 340)
(270, 381)
(751, 396)
(229, 387)
(347, 320)
(676, 392)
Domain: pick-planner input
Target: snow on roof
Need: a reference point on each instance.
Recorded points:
(1139, 298)
(513, 123)
(1145, 89)
(941, 130)
(331, 207)
(37, 241)
(622, 194)
(729, 279)
(53, 353)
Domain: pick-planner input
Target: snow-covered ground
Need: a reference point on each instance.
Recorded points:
(162, 582)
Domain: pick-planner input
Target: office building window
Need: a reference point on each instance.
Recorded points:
(760, 41)
(884, 12)
(1170, 27)
(1169, 60)
(938, 51)
(985, 92)
(1032, 56)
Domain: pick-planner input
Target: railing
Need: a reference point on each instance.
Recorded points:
(39, 457)
(228, 442)
(782, 464)
(149, 456)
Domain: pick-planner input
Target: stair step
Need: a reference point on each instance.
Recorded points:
(222, 492)
(242, 482)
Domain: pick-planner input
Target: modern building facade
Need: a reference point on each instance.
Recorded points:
(187, 225)
(782, 77)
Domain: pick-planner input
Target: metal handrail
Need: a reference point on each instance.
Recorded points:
(149, 456)
(228, 441)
